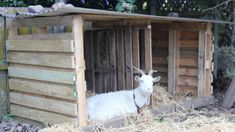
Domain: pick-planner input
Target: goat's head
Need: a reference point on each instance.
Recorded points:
(146, 81)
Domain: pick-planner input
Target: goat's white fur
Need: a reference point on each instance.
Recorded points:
(109, 105)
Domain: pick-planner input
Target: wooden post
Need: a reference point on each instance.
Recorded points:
(79, 69)
(148, 48)
(172, 62)
(201, 63)
(208, 89)
(135, 50)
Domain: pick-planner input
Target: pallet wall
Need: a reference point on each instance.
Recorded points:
(108, 55)
(160, 42)
(41, 72)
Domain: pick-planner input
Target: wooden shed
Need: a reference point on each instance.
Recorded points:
(50, 71)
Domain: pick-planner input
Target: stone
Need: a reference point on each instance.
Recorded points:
(57, 5)
(173, 14)
(35, 9)
(68, 6)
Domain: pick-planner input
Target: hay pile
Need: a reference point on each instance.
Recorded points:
(162, 97)
(190, 121)
(194, 121)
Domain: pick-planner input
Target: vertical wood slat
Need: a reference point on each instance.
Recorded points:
(208, 89)
(113, 62)
(80, 67)
(97, 62)
(135, 50)
(105, 62)
(201, 64)
(120, 58)
(172, 62)
(148, 48)
(89, 56)
(128, 59)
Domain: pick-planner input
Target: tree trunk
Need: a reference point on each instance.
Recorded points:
(229, 98)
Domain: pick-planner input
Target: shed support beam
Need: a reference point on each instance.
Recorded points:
(202, 63)
(80, 83)
(148, 47)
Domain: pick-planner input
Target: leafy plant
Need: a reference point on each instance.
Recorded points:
(226, 55)
(126, 6)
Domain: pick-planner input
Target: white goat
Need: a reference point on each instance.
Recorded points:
(109, 105)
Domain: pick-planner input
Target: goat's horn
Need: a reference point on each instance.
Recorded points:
(151, 72)
(140, 71)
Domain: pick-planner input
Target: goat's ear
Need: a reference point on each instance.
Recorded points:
(137, 78)
(157, 79)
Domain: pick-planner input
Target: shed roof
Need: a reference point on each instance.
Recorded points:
(107, 14)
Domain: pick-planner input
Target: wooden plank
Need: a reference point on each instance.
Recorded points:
(159, 52)
(120, 58)
(159, 35)
(148, 48)
(113, 61)
(38, 115)
(128, 57)
(183, 26)
(78, 24)
(44, 103)
(135, 51)
(98, 66)
(188, 71)
(161, 69)
(42, 88)
(52, 36)
(65, 77)
(160, 43)
(42, 59)
(201, 64)
(189, 62)
(189, 53)
(177, 59)
(189, 43)
(171, 61)
(41, 21)
(160, 60)
(208, 87)
(41, 45)
(89, 57)
(187, 89)
(189, 35)
(188, 81)
(187, 105)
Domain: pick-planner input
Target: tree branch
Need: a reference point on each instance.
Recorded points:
(216, 6)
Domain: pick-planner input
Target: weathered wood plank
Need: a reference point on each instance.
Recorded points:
(160, 43)
(78, 25)
(201, 64)
(187, 89)
(44, 103)
(171, 62)
(208, 87)
(42, 59)
(113, 61)
(97, 62)
(42, 88)
(41, 21)
(189, 62)
(89, 57)
(160, 60)
(41, 74)
(189, 35)
(51, 36)
(188, 81)
(135, 50)
(41, 45)
(188, 71)
(189, 43)
(120, 58)
(148, 47)
(128, 57)
(39, 115)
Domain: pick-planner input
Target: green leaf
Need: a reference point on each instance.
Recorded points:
(119, 7)
(122, 1)
(131, 1)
